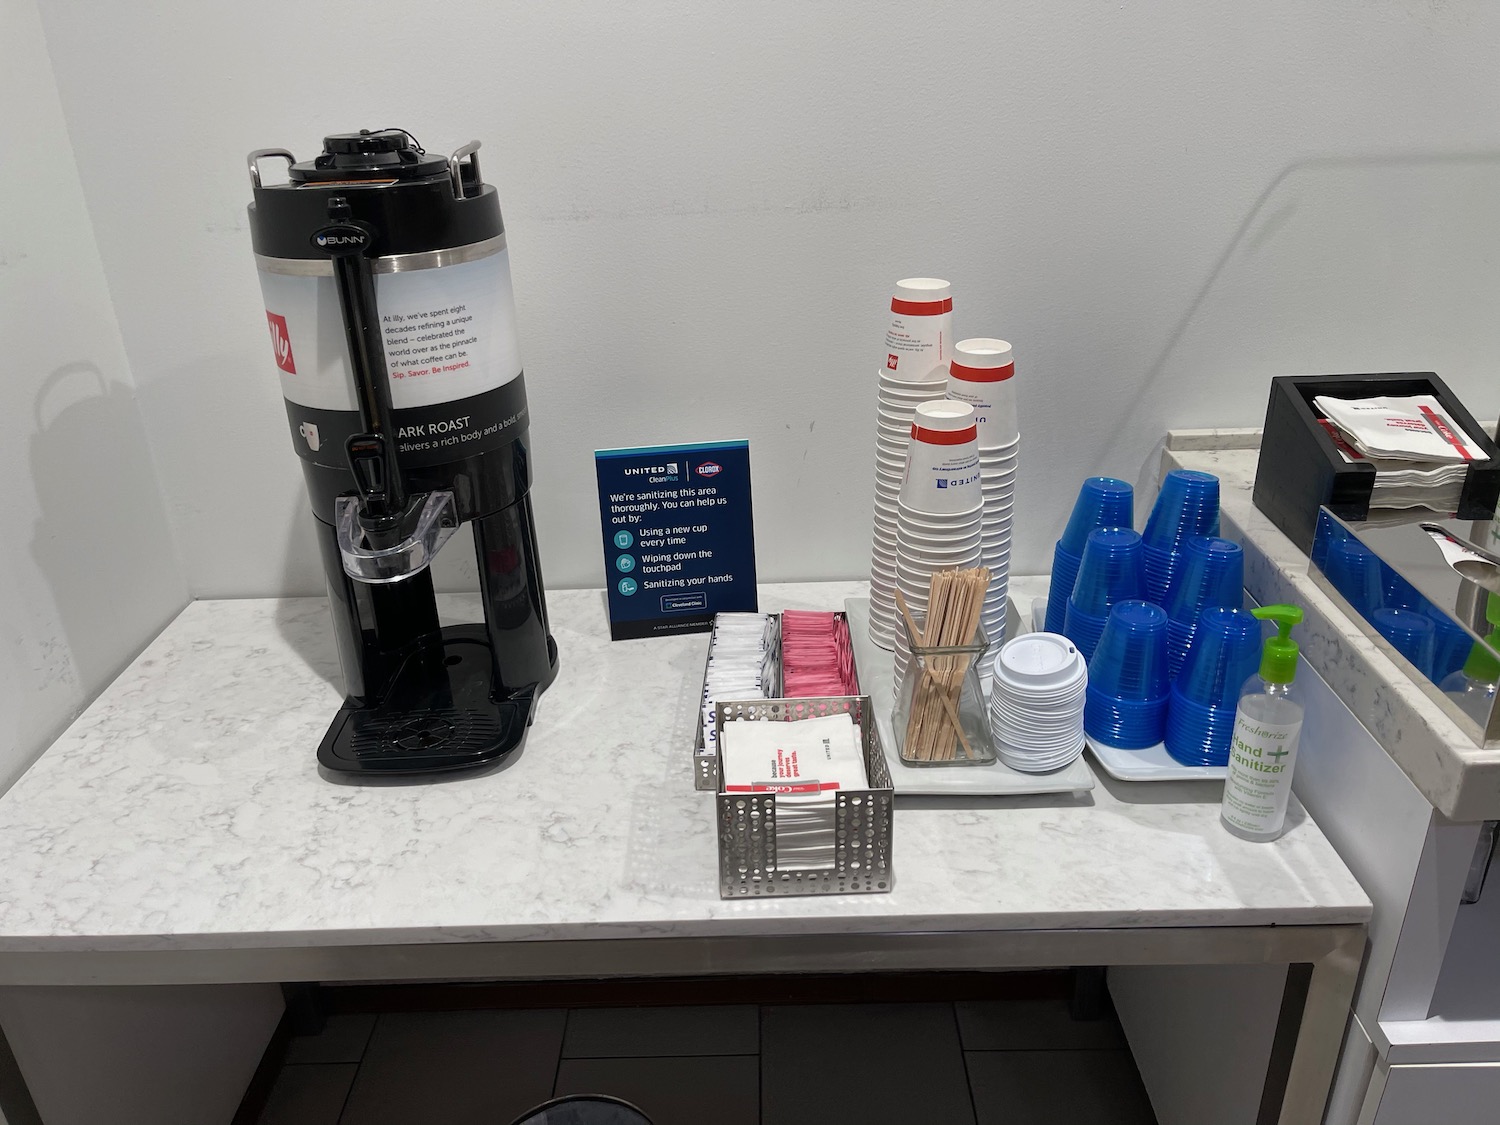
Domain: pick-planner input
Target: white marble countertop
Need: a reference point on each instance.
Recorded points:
(1461, 779)
(185, 810)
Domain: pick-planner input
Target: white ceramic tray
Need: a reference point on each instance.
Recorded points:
(1029, 603)
(873, 665)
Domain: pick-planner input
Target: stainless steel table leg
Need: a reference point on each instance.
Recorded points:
(1320, 1030)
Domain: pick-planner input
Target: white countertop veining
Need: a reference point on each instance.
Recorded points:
(1459, 778)
(185, 810)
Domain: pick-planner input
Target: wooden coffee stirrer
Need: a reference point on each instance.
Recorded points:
(955, 600)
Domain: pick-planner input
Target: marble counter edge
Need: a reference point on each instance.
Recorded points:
(1352, 913)
(1460, 779)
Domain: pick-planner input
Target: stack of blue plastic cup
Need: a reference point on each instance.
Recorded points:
(1328, 531)
(1354, 571)
(1200, 716)
(1451, 644)
(1212, 573)
(1411, 634)
(1126, 702)
(1102, 502)
(1186, 506)
(1109, 572)
(1396, 592)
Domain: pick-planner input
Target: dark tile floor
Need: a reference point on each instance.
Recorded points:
(1002, 1063)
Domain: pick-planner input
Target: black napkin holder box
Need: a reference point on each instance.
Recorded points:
(1301, 469)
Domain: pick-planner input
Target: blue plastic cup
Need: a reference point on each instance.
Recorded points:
(1109, 572)
(1102, 502)
(1187, 505)
(1412, 634)
(1211, 573)
(1328, 531)
(1451, 644)
(1225, 652)
(1126, 701)
(1064, 575)
(1354, 571)
(1396, 592)
(1197, 735)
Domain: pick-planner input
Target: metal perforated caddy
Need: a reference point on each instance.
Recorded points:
(862, 817)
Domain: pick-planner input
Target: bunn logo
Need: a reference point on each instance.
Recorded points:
(340, 237)
(710, 469)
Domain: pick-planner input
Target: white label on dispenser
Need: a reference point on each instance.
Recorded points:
(1261, 757)
(449, 334)
(918, 348)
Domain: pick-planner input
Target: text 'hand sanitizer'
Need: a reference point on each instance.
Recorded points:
(1267, 726)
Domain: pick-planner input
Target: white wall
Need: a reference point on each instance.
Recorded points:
(88, 570)
(1161, 204)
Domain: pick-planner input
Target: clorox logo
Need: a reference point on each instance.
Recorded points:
(710, 469)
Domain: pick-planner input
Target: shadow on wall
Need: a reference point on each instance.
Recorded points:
(1342, 265)
(102, 541)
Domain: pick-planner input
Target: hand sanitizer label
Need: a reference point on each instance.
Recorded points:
(1261, 757)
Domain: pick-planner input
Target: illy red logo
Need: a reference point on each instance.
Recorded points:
(890, 361)
(281, 342)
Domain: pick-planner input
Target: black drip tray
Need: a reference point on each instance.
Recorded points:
(437, 715)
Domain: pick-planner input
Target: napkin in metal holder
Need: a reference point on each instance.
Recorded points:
(863, 818)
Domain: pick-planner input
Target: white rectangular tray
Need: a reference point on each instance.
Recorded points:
(873, 665)
(1150, 764)
(1029, 603)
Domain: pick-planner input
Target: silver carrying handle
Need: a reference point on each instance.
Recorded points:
(455, 166)
(260, 154)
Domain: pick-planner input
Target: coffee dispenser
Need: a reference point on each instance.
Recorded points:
(393, 328)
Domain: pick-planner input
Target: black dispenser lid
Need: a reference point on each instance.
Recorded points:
(383, 154)
(412, 201)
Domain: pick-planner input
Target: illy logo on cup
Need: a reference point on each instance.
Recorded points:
(281, 342)
(309, 431)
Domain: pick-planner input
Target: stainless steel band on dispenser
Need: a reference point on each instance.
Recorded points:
(391, 263)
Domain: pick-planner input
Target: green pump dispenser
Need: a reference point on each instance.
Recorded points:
(1482, 665)
(1278, 660)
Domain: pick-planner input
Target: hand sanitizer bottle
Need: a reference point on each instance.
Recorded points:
(1267, 726)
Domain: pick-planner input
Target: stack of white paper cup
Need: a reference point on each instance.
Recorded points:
(981, 374)
(940, 512)
(919, 339)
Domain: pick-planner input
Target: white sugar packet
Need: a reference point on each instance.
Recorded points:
(804, 756)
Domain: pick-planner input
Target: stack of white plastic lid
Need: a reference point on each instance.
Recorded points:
(981, 373)
(918, 347)
(940, 511)
(1036, 702)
